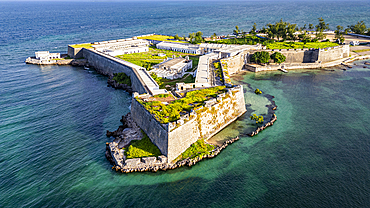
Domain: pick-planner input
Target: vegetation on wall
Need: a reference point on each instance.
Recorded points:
(122, 78)
(171, 112)
(84, 45)
(142, 148)
(300, 45)
(197, 149)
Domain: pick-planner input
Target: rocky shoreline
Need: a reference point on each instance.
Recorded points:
(261, 128)
(73, 62)
(115, 154)
(116, 85)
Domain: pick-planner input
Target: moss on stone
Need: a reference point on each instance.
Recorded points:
(142, 148)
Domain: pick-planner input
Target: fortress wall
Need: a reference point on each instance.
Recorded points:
(153, 128)
(207, 121)
(235, 63)
(75, 52)
(331, 54)
(294, 56)
(107, 66)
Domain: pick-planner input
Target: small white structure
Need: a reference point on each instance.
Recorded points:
(173, 68)
(180, 47)
(45, 55)
(355, 43)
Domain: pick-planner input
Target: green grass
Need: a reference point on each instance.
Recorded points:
(171, 112)
(199, 148)
(162, 96)
(151, 58)
(162, 38)
(249, 40)
(142, 148)
(84, 45)
(299, 45)
(362, 50)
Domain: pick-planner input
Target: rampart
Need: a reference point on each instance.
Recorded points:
(307, 55)
(295, 58)
(175, 137)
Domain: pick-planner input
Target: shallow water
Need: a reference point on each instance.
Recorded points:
(53, 118)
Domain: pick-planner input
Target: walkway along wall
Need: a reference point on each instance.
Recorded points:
(174, 138)
(108, 65)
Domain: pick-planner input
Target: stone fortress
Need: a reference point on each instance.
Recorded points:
(175, 137)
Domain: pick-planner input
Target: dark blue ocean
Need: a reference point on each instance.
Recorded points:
(53, 119)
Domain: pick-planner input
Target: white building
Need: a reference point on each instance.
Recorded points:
(173, 68)
(180, 47)
(45, 55)
(122, 46)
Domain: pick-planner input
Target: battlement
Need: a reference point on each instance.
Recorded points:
(202, 122)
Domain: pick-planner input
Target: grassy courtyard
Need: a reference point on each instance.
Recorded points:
(299, 45)
(171, 112)
(84, 45)
(151, 58)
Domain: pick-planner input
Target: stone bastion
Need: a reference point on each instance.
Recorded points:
(174, 138)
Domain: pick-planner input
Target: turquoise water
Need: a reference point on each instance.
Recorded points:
(53, 119)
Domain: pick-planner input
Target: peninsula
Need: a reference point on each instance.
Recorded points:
(182, 93)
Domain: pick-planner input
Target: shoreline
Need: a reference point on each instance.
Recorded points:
(142, 164)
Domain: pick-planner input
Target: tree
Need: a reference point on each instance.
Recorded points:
(258, 119)
(196, 37)
(359, 28)
(236, 31)
(310, 27)
(253, 30)
(260, 57)
(339, 34)
(177, 37)
(304, 37)
(278, 57)
(320, 28)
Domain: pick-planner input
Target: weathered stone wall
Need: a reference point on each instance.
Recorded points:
(75, 52)
(157, 132)
(174, 138)
(331, 54)
(216, 115)
(235, 63)
(294, 56)
(107, 66)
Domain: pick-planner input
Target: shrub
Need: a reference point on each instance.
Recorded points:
(278, 57)
(261, 57)
(197, 149)
(258, 91)
(258, 119)
(122, 78)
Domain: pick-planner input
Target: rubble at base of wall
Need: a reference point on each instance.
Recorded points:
(153, 164)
